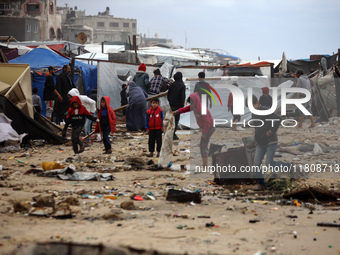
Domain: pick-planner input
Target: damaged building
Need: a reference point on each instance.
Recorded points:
(30, 20)
(98, 28)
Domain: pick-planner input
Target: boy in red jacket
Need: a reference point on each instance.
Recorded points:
(107, 122)
(76, 117)
(154, 126)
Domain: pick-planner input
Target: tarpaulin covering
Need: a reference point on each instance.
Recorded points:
(307, 66)
(42, 58)
(9, 138)
(22, 123)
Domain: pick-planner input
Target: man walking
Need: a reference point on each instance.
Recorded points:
(64, 84)
(50, 93)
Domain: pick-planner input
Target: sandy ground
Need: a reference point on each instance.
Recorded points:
(152, 225)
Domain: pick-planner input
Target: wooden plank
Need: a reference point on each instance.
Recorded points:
(148, 99)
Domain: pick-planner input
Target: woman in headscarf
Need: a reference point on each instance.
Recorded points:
(136, 110)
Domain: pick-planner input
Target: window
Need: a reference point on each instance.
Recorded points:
(4, 6)
(28, 27)
(35, 28)
(100, 24)
(51, 7)
(33, 8)
(114, 24)
(126, 24)
(133, 25)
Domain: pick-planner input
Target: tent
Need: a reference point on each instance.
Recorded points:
(41, 58)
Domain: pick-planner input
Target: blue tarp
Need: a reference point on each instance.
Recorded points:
(43, 58)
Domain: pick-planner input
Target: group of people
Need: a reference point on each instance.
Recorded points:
(81, 110)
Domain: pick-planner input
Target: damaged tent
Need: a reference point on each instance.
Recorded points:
(16, 104)
(22, 123)
(41, 58)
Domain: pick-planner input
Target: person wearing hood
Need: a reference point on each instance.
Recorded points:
(176, 97)
(303, 82)
(107, 122)
(142, 78)
(266, 99)
(76, 117)
(204, 121)
(90, 106)
(136, 110)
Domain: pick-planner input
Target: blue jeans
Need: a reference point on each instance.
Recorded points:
(87, 127)
(106, 139)
(269, 152)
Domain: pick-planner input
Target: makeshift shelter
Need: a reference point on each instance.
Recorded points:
(41, 58)
(305, 65)
(15, 84)
(24, 124)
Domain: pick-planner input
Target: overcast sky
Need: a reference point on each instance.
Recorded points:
(244, 28)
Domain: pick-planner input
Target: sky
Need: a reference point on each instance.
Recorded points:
(248, 29)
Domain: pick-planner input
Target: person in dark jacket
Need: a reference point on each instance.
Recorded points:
(76, 117)
(142, 78)
(266, 99)
(266, 127)
(154, 126)
(50, 93)
(64, 84)
(176, 97)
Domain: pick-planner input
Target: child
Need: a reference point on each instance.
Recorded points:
(36, 100)
(205, 123)
(76, 117)
(154, 126)
(90, 106)
(123, 98)
(266, 99)
(107, 122)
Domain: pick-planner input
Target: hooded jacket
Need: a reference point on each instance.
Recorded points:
(205, 122)
(142, 80)
(176, 92)
(89, 104)
(111, 116)
(76, 117)
(268, 125)
(154, 119)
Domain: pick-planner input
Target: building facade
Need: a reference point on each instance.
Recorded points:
(98, 28)
(30, 20)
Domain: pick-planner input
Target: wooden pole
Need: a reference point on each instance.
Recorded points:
(135, 47)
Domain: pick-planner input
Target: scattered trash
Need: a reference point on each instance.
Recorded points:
(328, 224)
(138, 198)
(183, 196)
(254, 221)
(51, 165)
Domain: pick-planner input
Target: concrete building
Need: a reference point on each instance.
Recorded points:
(29, 20)
(98, 28)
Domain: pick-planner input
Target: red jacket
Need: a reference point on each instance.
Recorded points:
(154, 118)
(205, 122)
(111, 115)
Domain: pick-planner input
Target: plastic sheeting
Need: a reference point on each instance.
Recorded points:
(110, 77)
(10, 140)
